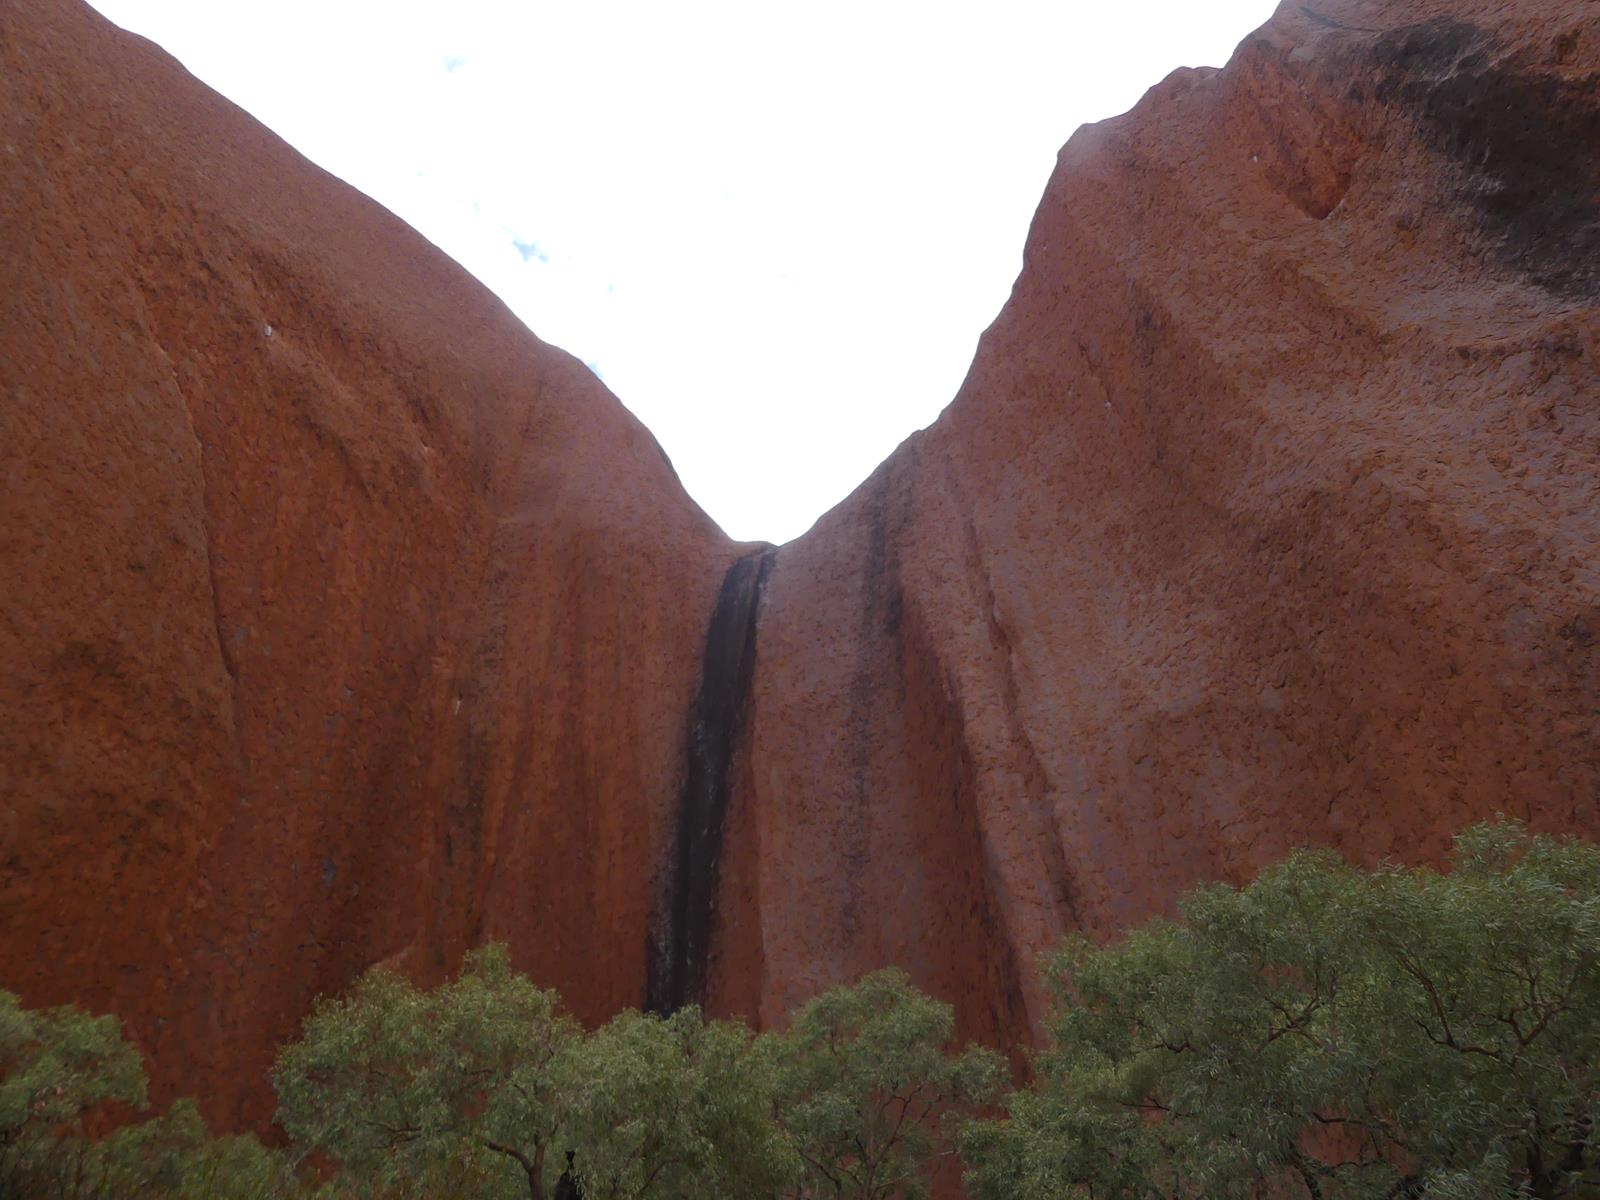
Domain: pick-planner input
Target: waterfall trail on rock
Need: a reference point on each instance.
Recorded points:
(683, 926)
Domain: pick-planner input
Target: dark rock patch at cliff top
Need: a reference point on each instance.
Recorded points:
(1525, 134)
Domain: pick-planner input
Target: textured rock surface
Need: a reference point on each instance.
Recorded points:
(1268, 515)
(344, 620)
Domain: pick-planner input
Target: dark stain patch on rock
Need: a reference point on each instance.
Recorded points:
(681, 938)
(1528, 140)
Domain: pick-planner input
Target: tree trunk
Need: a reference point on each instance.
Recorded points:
(536, 1174)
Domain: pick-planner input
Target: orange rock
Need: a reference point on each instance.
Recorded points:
(1267, 516)
(346, 622)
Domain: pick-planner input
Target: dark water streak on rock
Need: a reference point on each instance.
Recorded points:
(685, 920)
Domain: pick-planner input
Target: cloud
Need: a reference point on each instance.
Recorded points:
(529, 250)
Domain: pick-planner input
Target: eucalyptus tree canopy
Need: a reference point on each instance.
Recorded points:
(1327, 1033)
(869, 1087)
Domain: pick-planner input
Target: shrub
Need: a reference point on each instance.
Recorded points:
(484, 1081)
(60, 1065)
(1328, 1033)
(867, 1090)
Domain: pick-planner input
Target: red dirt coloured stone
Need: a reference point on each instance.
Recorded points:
(344, 621)
(1266, 516)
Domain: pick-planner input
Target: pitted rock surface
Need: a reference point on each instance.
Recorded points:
(1267, 516)
(346, 622)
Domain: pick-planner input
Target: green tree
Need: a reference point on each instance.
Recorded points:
(675, 1107)
(1327, 1033)
(867, 1088)
(409, 1088)
(174, 1157)
(56, 1066)
(476, 1088)
(60, 1065)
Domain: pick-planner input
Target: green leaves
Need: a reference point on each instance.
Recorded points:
(486, 1079)
(403, 1086)
(1324, 1032)
(675, 1106)
(866, 1088)
(174, 1157)
(1329, 1033)
(56, 1066)
(59, 1066)
(398, 1084)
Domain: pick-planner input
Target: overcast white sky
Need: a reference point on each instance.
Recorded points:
(775, 230)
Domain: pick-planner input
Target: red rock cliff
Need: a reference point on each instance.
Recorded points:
(1266, 516)
(344, 620)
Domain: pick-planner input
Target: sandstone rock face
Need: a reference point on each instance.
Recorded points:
(1267, 516)
(344, 621)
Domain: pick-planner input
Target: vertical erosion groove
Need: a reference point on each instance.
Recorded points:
(681, 939)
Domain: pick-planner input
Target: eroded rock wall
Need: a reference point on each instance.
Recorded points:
(1266, 516)
(344, 621)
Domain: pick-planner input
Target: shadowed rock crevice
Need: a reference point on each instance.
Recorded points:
(681, 939)
(1527, 138)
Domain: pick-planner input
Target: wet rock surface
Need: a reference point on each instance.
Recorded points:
(1265, 517)
(685, 917)
(345, 622)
